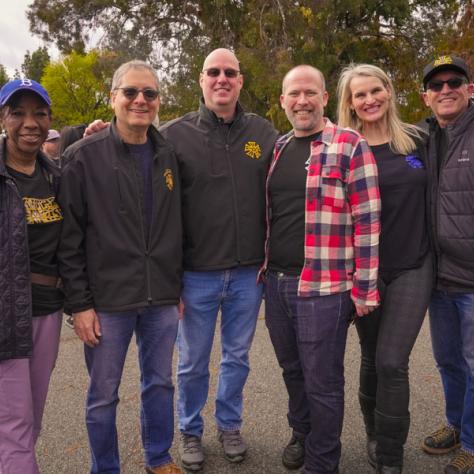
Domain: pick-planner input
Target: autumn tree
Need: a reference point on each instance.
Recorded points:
(3, 75)
(79, 86)
(34, 63)
(268, 36)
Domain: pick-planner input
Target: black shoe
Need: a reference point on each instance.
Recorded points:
(371, 451)
(442, 441)
(389, 469)
(293, 454)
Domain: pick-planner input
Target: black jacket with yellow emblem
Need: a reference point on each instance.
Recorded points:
(106, 259)
(223, 170)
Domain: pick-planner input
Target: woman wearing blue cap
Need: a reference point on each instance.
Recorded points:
(30, 298)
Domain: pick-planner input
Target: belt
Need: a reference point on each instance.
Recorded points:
(46, 280)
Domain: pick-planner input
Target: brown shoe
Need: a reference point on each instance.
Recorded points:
(170, 468)
(442, 441)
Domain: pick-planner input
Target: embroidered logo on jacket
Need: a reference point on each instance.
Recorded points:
(168, 174)
(253, 150)
(42, 211)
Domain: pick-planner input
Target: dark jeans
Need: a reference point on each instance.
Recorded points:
(388, 334)
(309, 338)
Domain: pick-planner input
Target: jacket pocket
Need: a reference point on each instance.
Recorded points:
(333, 186)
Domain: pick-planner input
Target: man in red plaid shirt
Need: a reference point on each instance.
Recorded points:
(323, 212)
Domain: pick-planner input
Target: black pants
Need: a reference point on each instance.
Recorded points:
(387, 337)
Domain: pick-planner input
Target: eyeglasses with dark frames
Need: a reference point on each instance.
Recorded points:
(131, 93)
(216, 72)
(453, 83)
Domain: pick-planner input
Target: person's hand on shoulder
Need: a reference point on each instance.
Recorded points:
(95, 126)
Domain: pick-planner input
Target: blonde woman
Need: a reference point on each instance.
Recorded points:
(367, 103)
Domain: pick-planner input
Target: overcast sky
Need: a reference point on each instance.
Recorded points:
(15, 37)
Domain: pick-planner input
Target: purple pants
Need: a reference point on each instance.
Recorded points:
(23, 389)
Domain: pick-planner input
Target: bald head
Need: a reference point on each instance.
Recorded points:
(305, 69)
(221, 81)
(221, 54)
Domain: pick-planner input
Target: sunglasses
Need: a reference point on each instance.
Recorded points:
(131, 93)
(453, 83)
(216, 72)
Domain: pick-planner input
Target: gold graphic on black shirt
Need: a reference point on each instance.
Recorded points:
(253, 150)
(42, 211)
(168, 174)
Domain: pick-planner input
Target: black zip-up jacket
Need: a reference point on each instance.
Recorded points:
(452, 203)
(223, 169)
(105, 259)
(15, 286)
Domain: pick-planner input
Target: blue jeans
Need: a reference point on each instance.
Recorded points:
(309, 338)
(236, 293)
(452, 336)
(155, 330)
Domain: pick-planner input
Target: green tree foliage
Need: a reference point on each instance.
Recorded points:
(3, 75)
(79, 86)
(269, 37)
(34, 63)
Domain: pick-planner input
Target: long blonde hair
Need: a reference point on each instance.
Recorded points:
(401, 134)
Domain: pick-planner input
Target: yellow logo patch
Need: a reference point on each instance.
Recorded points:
(253, 150)
(42, 211)
(443, 60)
(168, 174)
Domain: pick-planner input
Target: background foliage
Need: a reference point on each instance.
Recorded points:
(268, 36)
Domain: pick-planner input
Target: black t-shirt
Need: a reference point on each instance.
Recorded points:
(43, 217)
(144, 154)
(404, 234)
(288, 202)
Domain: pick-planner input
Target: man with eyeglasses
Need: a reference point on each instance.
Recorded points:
(120, 260)
(448, 92)
(223, 154)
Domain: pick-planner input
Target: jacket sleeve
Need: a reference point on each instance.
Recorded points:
(364, 198)
(71, 253)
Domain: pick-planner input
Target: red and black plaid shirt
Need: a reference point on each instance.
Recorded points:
(342, 217)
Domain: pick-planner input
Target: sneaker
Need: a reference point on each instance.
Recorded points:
(170, 468)
(233, 444)
(462, 463)
(191, 453)
(442, 441)
(293, 454)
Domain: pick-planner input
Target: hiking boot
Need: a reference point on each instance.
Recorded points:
(233, 444)
(462, 463)
(191, 453)
(170, 468)
(293, 454)
(442, 441)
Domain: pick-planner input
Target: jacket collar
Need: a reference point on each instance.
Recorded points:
(207, 115)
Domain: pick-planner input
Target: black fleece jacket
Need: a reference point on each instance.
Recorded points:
(223, 170)
(105, 259)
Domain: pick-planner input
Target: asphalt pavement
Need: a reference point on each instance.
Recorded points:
(63, 446)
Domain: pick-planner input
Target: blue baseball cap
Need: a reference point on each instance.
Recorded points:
(12, 87)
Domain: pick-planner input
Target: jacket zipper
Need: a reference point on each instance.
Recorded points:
(234, 196)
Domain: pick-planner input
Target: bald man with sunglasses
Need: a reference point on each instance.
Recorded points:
(448, 92)
(223, 155)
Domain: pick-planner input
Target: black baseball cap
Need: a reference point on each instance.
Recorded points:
(445, 63)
